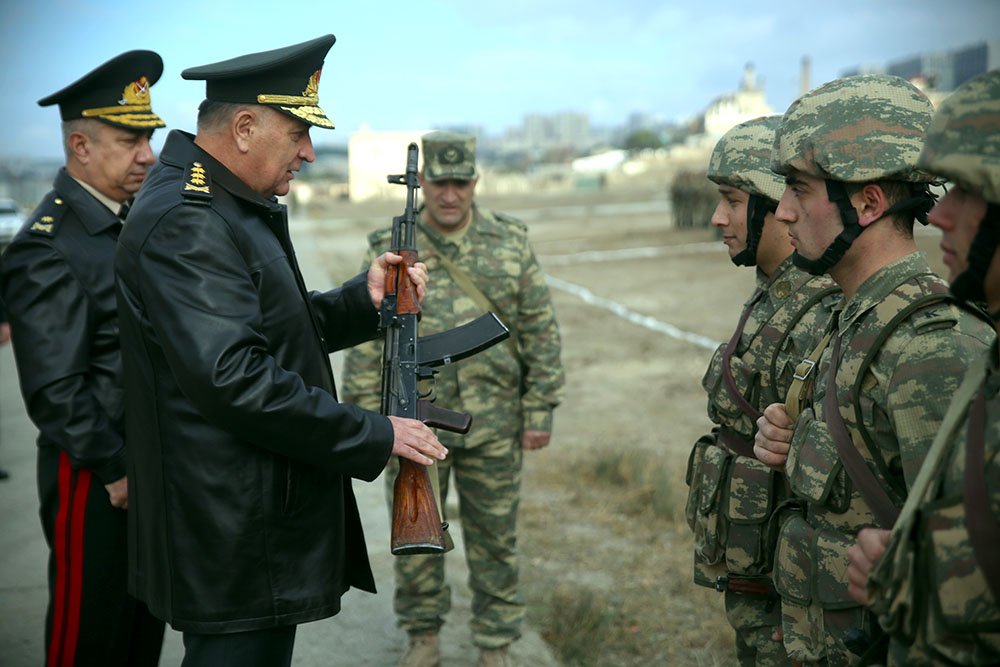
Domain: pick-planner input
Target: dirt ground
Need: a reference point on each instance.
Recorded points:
(607, 554)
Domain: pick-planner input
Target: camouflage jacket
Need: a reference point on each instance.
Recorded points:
(953, 618)
(505, 400)
(892, 413)
(791, 308)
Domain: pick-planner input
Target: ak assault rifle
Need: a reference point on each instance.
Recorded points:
(407, 360)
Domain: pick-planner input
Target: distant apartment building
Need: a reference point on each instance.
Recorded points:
(563, 130)
(941, 70)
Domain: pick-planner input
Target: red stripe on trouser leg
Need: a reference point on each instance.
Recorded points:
(61, 555)
(77, 522)
(74, 487)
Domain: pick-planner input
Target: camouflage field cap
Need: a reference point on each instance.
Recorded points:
(963, 142)
(449, 155)
(115, 93)
(285, 79)
(855, 129)
(742, 158)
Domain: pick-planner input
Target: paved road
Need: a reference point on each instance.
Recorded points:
(363, 634)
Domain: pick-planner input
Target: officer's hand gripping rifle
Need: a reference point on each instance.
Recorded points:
(406, 360)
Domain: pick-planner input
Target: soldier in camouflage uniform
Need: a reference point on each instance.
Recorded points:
(898, 349)
(732, 494)
(480, 261)
(948, 534)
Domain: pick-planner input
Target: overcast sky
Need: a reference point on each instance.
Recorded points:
(421, 64)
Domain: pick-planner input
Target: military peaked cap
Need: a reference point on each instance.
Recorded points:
(449, 155)
(285, 79)
(116, 92)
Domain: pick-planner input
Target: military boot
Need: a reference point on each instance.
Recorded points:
(423, 651)
(494, 657)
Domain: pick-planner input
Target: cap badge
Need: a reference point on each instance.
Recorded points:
(136, 92)
(451, 155)
(312, 88)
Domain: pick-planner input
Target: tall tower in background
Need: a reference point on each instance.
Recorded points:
(804, 76)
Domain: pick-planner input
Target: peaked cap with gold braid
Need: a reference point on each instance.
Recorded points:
(116, 93)
(285, 79)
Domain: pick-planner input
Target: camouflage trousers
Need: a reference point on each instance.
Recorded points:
(488, 481)
(754, 619)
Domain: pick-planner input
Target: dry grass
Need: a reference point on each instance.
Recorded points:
(608, 571)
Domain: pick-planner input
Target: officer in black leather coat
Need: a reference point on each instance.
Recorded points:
(243, 521)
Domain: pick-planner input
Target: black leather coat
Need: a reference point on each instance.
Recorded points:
(58, 286)
(240, 504)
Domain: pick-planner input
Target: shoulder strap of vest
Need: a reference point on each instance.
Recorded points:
(799, 314)
(727, 371)
(803, 378)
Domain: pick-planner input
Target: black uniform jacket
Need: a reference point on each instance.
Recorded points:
(241, 511)
(57, 282)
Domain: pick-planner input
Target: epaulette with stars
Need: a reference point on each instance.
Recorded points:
(197, 186)
(47, 216)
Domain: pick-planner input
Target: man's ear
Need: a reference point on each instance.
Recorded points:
(244, 125)
(871, 203)
(79, 146)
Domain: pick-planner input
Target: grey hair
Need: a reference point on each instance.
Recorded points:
(82, 125)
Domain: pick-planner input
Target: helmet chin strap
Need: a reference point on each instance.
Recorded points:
(970, 285)
(757, 209)
(919, 203)
(837, 194)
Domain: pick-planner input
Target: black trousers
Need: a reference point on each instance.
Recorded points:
(91, 619)
(256, 648)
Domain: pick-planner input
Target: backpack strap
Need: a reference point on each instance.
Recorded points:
(883, 507)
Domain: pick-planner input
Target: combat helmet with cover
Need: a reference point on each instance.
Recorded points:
(963, 145)
(857, 129)
(742, 159)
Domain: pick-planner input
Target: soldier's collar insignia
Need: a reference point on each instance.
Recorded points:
(198, 185)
